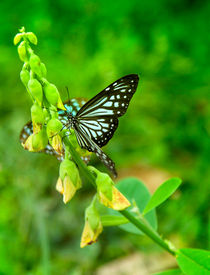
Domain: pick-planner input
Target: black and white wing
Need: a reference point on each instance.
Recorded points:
(98, 118)
(85, 142)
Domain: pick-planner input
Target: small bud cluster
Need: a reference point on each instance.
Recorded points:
(48, 129)
(45, 96)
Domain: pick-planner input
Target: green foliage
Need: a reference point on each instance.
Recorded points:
(166, 126)
(194, 261)
(163, 192)
(170, 272)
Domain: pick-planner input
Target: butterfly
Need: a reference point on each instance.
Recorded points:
(95, 122)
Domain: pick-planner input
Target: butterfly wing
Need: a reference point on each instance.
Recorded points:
(98, 118)
(85, 142)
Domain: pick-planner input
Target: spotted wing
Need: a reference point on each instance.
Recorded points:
(98, 118)
(85, 142)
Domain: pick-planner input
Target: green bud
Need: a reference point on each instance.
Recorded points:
(40, 140)
(36, 90)
(103, 181)
(51, 93)
(22, 51)
(68, 168)
(17, 38)
(43, 69)
(92, 215)
(35, 64)
(37, 114)
(53, 127)
(25, 76)
(32, 37)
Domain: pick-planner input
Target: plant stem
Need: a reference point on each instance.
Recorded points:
(139, 223)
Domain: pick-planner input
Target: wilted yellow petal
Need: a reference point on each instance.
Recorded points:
(59, 186)
(57, 144)
(28, 145)
(88, 235)
(118, 202)
(36, 127)
(68, 189)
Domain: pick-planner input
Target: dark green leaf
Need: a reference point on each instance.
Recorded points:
(194, 261)
(164, 191)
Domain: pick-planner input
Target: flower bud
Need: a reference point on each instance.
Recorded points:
(40, 140)
(69, 180)
(37, 114)
(34, 63)
(93, 226)
(17, 38)
(51, 93)
(108, 194)
(31, 37)
(22, 51)
(36, 90)
(43, 69)
(54, 126)
(25, 76)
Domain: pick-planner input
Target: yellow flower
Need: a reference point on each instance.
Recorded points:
(118, 201)
(56, 143)
(66, 188)
(54, 127)
(69, 180)
(108, 194)
(89, 236)
(93, 226)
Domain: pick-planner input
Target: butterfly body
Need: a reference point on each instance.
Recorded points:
(95, 121)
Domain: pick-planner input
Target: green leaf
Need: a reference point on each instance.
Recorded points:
(110, 220)
(170, 272)
(194, 261)
(136, 192)
(164, 191)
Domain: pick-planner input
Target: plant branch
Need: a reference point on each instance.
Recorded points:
(139, 223)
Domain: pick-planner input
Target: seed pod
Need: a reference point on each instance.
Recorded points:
(17, 38)
(32, 37)
(36, 90)
(37, 114)
(40, 140)
(34, 63)
(53, 127)
(43, 69)
(22, 51)
(51, 93)
(25, 76)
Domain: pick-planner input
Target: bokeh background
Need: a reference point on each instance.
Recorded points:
(86, 45)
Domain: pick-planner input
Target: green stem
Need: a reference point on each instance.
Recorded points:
(139, 223)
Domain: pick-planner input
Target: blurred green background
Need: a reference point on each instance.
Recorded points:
(86, 45)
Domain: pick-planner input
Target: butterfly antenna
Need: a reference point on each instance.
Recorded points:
(67, 90)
